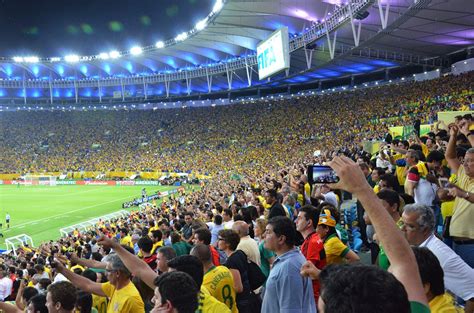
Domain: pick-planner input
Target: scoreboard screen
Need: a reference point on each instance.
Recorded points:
(273, 54)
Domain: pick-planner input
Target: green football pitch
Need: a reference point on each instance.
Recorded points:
(40, 211)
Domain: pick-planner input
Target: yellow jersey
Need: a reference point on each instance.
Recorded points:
(99, 303)
(335, 250)
(127, 299)
(220, 284)
(209, 304)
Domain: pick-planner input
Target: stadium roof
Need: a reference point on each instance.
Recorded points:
(393, 33)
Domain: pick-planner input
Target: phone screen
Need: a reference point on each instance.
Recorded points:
(321, 174)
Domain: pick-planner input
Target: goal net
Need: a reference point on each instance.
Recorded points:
(44, 180)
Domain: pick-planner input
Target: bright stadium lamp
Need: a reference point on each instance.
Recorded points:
(72, 58)
(181, 36)
(201, 24)
(136, 50)
(218, 6)
(55, 59)
(31, 59)
(18, 59)
(114, 54)
(160, 44)
(104, 56)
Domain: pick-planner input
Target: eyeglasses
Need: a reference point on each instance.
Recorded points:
(220, 238)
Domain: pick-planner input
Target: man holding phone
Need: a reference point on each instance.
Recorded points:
(324, 193)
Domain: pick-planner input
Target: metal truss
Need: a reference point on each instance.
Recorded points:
(340, 16)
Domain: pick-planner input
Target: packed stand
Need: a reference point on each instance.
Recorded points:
(271, 241)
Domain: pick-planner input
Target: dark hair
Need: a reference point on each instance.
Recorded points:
(190, 265)
(157, 234)
(435, 156)
(28, 293)
(391, 180)
(361, 288)
(228, 212)
(272, 193)
(218, 219)
(189, 214)
(63, 292)
(175, 237)
(380, 171)
(283, 226)
(204, 235)
(90, 274)
(311, 213)
(180, 289)
(145, 243)
(390, 196)
(84, 301)
(168, 252)
(39, 303)
(430, 270)
(202, 252)
(230, 237)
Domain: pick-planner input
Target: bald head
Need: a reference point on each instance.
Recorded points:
(202, 252)
(241, 228)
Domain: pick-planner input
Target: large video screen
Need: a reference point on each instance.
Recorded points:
(273, 54)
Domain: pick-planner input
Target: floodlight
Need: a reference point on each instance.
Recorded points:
(18, 59)
(55, 59)
(71, 58)
(218, 6)
(181, 36)
(103, 56)
(201, 24)
(136, 50)
(114, 54)
(32, 59)
(160, 44)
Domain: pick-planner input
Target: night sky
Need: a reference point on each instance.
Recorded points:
(48, 28)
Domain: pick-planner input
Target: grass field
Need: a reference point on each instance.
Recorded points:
(40, 211)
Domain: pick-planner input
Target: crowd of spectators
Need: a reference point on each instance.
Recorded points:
(269, 241)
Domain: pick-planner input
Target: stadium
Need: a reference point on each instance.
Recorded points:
(226, 156)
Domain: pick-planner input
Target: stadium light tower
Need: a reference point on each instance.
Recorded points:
(160, 44)
(136, 50)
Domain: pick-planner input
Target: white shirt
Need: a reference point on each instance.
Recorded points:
(458, 276)
(5, 287)
(228, 225)
(250, 248)
(425, 192)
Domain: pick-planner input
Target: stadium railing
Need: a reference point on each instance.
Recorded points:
(92, 223)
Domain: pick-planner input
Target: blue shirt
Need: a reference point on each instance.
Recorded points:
(286, 290)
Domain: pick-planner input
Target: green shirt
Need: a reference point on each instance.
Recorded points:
(417, 307)
(265, 254)
(182, 248)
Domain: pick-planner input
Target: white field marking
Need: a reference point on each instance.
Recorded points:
(15, 194)
(65, 213)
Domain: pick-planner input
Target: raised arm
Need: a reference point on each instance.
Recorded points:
(402, 259)
(450, 154)
(88, 263)
(134, 264)
(79, 281)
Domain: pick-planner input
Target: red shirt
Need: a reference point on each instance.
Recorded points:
(215, 256)
(313, 250)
